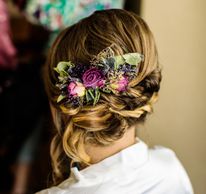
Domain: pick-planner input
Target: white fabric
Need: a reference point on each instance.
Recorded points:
(134, 170)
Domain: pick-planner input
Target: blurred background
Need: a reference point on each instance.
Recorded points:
(179, 119)
(27, 29)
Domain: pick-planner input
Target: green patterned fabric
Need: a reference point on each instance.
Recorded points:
(57, 14)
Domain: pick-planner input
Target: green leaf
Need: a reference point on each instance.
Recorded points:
(61, 79)
(62, 66)
(91, 94)
(87, 96)
(133, 58)
(60, 98)
(118, 61)
(97, 95)
(106, 90)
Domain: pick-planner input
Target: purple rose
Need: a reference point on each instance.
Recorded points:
(93, 78)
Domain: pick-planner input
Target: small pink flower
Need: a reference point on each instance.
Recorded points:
(119, 83)
(122, 83)
(76, 89)
(101, 83)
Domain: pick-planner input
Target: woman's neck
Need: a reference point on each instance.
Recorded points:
(98, 153)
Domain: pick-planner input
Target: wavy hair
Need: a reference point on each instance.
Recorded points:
(108, 120)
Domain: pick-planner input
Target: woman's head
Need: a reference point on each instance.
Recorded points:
(107, 121)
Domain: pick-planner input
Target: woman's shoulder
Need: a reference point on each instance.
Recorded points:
(164, 160)
(162, 154)
(161, 172)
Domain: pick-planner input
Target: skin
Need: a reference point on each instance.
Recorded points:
(98, 153)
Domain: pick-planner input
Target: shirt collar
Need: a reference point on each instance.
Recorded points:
(133, 156)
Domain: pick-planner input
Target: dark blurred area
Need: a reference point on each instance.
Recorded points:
(25, 121)
(24, 110)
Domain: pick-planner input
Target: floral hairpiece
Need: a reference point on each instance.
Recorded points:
(83, 84)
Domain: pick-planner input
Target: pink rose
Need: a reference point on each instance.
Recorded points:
(76, 89)
(93, 78)
(119, 84)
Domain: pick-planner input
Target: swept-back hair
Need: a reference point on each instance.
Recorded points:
(108, 120)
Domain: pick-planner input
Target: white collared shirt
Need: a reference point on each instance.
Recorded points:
(134, 170)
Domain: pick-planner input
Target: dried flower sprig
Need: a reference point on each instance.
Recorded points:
(81, 84)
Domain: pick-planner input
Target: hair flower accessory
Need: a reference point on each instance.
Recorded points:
(81, 84)
(93, 78)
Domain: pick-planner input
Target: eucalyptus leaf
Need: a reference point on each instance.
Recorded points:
(118, 61)
(62, 73)
(62, 66)
(133, 58)
(61, 97)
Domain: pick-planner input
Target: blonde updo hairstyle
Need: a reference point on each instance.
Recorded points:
(108, 120)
